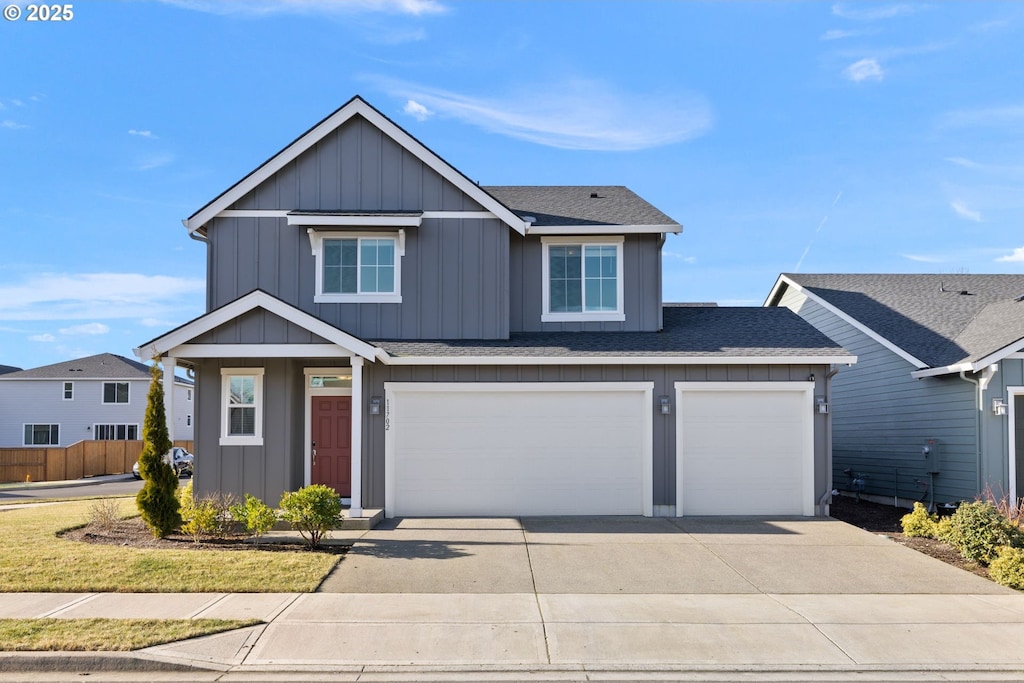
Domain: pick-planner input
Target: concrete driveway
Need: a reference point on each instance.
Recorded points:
(636, 555)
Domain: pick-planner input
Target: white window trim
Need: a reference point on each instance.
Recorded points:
(103, 394)
(316, 240)
(64, 391)
(225, 377)
(41, 445)
(583, 316)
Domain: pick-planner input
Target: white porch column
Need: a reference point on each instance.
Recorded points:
(356, 504)
(170, 364)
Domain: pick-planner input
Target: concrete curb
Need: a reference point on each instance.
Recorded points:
(69, 662)
(67, 483)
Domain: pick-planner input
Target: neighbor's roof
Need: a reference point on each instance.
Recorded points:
(101, 366)
(689, 331)
(4, 369)
(571, 205)
(942, 320)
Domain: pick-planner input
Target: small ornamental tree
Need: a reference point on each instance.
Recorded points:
(158, 500)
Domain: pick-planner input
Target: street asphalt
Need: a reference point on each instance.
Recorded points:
(605, 598)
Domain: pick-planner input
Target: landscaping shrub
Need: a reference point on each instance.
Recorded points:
(199, 518)
(104, 514)
(978, 530)
(919, 522)
(256, 515)
(157, 500)
(312, 511)
(1008, 567)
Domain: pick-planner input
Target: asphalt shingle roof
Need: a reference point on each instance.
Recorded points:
(688, 331)
(574, 205)
(101, 366)
(4, 369)
(939, 319)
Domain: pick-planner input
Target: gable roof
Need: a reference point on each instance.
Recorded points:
(697, 334)
(4, 369)
(257, 298)
(945, 322)
(100, 366)
(356, 106)
(582, 206)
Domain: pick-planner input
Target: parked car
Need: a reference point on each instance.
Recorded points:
(178, 458)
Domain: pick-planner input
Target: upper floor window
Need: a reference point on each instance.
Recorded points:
(357, 268)
(188, 394)
(69, 391)
(115, 392)
(582, 279)
(42, 435)
(241, 407)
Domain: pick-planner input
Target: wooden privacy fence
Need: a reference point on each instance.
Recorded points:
(82, 459)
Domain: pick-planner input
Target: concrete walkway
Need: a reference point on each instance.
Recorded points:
(587, 599)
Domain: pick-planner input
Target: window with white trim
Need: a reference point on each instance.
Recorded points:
(115, 392)
(582, 279)
(353, 268)
(42, 435)
(69, 391)
(115, 432)
(241, 407)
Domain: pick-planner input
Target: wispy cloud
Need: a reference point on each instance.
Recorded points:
(95, 296)
(873, 12)
(264, 8)
(155, 161)
(12, 125)
(925, 258)
(964, 211)
(865, 70)
(156, 322)
(689, 260)
(143, 134)
(575, 114)
(87, 328)
(417, 110)
(965, 163)
(46, 338)
(983, 116)
(1016, 257)
(839, 34)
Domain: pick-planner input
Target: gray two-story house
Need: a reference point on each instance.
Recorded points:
(378, 322)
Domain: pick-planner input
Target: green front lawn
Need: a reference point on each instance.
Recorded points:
(99, 635)
(34, 559)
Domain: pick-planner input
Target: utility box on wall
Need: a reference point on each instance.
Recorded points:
(930, 451)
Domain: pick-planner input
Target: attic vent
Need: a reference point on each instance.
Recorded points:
(595, 195)
(1020, 298)
(964, 292)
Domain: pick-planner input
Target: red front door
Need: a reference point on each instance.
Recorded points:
(332, 439)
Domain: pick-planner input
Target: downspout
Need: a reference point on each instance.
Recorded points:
(829, 489)
(982, 384)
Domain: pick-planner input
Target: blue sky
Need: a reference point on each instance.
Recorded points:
(802, 136)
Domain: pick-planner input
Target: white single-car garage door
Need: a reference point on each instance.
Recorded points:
(745, 448)
(565, 448)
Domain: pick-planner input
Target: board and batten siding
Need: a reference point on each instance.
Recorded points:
(41, 401)
(454, 275)
(641, 273)
(995, 430)
(664, 426)
(881, 416)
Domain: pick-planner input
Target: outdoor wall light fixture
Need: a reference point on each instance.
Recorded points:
(810, 378)
(664, 405)
(375, 405)
(999, 406)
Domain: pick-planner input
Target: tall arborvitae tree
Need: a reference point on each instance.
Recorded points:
(158, 500)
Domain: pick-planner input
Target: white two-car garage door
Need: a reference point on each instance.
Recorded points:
(464, 449)
(745, 448)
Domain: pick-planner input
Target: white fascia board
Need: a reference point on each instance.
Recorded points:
(314, 221)
(781, 282)
(852, 321)
(618, 360)
(602, 229)
(273, 213)
(322, 130)
(1009, 351)
(242, 305)
(257, 351)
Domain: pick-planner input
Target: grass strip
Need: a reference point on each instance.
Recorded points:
(105, 635)
(34, 559)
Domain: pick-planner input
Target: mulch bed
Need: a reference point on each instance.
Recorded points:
(133, 533)
(885, 519)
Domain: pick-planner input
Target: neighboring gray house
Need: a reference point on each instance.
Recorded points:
(480, 350)
(4, 369)
(941, 367)
(98, 397)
